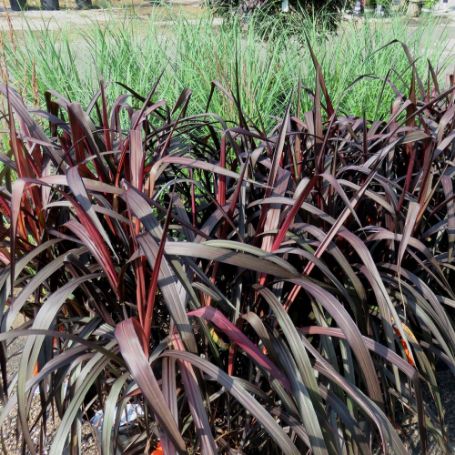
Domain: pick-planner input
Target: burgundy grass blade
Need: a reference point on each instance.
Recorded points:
(126, 334)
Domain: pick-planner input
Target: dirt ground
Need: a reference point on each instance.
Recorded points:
(36, 19)
(10, 441)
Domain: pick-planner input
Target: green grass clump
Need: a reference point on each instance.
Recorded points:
(271, 61)
(284, 291)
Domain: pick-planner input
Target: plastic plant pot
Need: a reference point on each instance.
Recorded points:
(18, 5)
(49, 5)
(368, 7)
(358, 8)
(414, 8)
(84, 4)
(379, 11)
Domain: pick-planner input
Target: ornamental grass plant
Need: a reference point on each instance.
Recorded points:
(274, 59)
(281, 289)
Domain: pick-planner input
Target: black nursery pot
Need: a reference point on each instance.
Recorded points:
(49, 5)
(18, 5)
(84, 4)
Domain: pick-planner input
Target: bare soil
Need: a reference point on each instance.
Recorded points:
(10, 440)
(36, 19)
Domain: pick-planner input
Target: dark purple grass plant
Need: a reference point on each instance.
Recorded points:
(284, 291)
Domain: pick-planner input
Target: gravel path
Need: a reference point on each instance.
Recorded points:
(55, 20)
(11, 444)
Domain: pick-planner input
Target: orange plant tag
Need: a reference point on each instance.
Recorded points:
(404, 344)
(158, 450)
